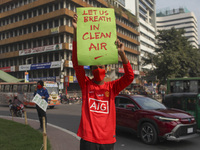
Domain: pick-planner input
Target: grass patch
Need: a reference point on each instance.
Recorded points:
(16, 136)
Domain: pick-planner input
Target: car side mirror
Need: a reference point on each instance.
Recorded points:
(131, 106)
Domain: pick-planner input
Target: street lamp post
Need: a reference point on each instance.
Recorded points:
(28, 59)
(26, 75)
(61, 87)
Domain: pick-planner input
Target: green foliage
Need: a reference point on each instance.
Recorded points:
(16, 136)
(176, 57)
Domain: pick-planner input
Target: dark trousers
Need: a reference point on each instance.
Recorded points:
(85, 145)
(41, 113)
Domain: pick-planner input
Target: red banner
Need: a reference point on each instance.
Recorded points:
(6, 69)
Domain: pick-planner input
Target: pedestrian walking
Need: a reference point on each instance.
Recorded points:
(42, 91)
(97, 127)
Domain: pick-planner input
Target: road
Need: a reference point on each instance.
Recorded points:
(68, 117)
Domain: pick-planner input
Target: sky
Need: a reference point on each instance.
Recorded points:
(191, 5)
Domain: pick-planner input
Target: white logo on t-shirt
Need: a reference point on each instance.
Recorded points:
(98, 106)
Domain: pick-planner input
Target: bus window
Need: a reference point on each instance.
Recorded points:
(3, 88)
(33, 86)
(7, 88)
(14, 88)
(177, 103)
(11, 88)
(186, 86)
(19, 88)
(25, 88)
(178, 86)
(194, 86)
(191, 104)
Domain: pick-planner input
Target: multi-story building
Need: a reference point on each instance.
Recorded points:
(146, 14)
(36, 36)
(147, 19)
(180, 19)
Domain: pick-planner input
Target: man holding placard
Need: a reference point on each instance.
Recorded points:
(41, 99)
(98, 121)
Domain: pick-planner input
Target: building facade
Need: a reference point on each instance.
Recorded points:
(146, 15)
(36, 36)
(147, 19)
(180, 19)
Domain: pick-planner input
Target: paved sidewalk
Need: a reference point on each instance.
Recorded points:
(60, 139)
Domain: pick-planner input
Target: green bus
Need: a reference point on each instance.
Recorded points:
(183, 85)
(184, 94)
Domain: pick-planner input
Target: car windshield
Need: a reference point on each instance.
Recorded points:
(148, 103)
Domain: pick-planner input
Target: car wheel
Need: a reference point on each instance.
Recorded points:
(148, 133)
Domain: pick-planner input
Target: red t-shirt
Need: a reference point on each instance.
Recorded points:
(98, 120)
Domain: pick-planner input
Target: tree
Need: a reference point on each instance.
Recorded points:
(175, 56)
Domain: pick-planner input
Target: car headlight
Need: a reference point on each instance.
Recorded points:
(161, 118)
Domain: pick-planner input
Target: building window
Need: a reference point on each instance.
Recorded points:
(61, 21)
(29, 44)
(24, 46)
(34, 13)
(45, 42)
(56, 39)
(45, 10)
(16, 19)
(29, 29)
(45, 26)
(16, 33)
(35, 43)
(39, 58)
(50, 57)
(24, 30)
(56, 23)
(20, 17)
(51, 73)
(39, 27)
(25, 16)
(50, 24)
(20, 46)
(39, 42)
(50, 40)
(56, 6)
(45, 73)
(50, 8)
(30, 14)
(39, 11)
(34, 28)
(57, 72)
(62, 38)
(56, 56)
(45, 57)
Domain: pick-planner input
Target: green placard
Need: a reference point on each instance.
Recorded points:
(96, 36)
